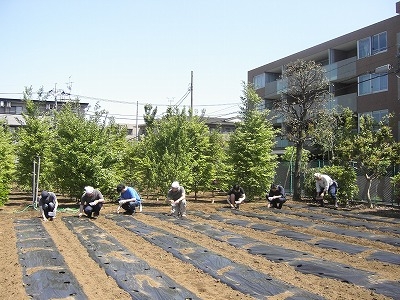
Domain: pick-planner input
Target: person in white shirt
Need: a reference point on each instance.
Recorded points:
(177, 197)
(324, 184)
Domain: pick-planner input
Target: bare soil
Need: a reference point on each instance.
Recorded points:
(200, 283)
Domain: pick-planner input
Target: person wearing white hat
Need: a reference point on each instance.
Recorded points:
(91, 202)
(177, 197)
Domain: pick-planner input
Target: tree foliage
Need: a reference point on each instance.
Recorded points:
(372, 149)
(301, 101)
(90, 151)
(34, 142)
(177, 147)
(250, 147)
(7, 162)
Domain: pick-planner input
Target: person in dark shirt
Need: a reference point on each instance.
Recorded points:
(48, 205)
(276, 196)
(236, 196)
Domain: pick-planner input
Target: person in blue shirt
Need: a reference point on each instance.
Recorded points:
(129, 199)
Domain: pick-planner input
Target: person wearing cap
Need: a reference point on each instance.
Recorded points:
(48, 205)
(276, 196)
(129, 199)
(236, 196)
(91, 202)
(325, 184)
(177, 197)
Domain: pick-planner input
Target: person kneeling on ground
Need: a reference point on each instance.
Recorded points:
(91, 202)
(276, 196)
(177, 197)
(48, 205)
(236, 196)
(129, 199)
(324, 184)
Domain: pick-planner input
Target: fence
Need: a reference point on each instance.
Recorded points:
(382, 190)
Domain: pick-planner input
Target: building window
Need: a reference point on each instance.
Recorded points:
(372, 45)
(18, 110)
(377, 115)
(259, 81)
(364, 49)
(379, 43)
(372, 83)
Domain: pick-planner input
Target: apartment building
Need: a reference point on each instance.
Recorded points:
(363, 68)
(11, 110)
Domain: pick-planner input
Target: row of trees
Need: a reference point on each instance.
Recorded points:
(77, 150)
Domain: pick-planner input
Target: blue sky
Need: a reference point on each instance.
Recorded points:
(123, 52)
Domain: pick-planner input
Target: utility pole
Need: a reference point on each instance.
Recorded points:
(191, 91)
(137, 120)
(55, 96)
(69, 87)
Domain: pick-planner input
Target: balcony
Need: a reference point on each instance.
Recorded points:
(342, 70)
(344, 101)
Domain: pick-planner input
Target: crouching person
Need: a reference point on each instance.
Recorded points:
(177, 197)
(236, 196)
(48, 205)
(129, 199)
(276, 196)
(91, 202)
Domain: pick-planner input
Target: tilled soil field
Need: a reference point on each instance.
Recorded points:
(300, 252)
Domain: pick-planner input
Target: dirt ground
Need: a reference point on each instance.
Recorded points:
(197, 281)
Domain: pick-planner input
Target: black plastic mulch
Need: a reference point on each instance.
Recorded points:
(360, 234)
(237, 276)
(280, 218)
(344, 247)
(385, 257)
(389, 225)
(310, 265)
(132, 274)
(45, 274)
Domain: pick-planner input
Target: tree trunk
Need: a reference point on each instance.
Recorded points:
(369, 182)
(297, 172)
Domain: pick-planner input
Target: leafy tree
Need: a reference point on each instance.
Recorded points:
(7, 162)
(345, 133)
(177, 147)
(34, 139)
(324, 135)
(149, 116)
(90, 151)
(395, 180)
(290, 153)
(303, 98)
(250, 147)
(373, 150)
(218, 154)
